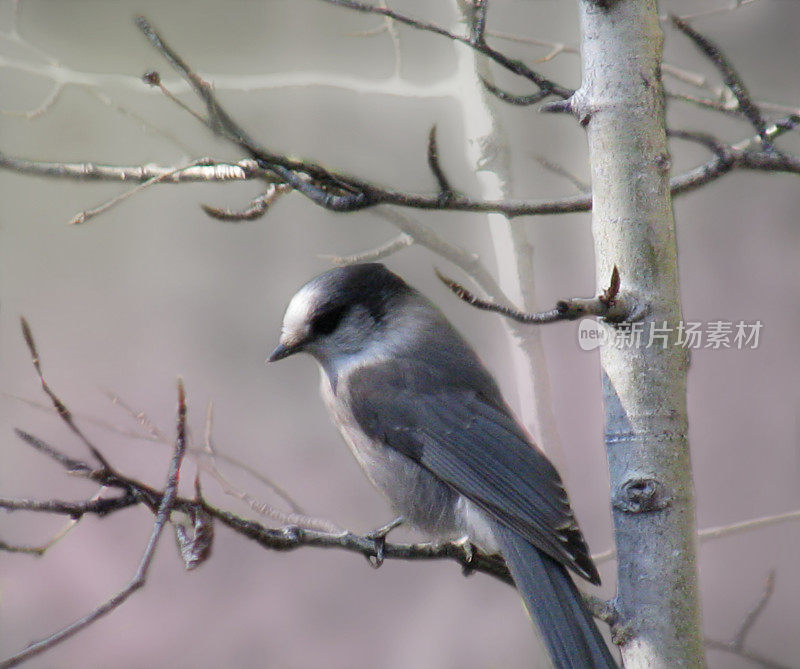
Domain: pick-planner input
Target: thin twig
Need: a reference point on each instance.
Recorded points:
(514, 66)
(95, 505)
(140, 577)
(737, 645)
(756, 658)
(256, 209)
(402, 241)
(217, 172)
(753, 614)
(294, 517)
(388, 27)
(734, 5)
(203, 453)
(424, 236)
(580, 185)
(88, 214)
(511, 98)
(747, 525)
(446, 193)
(731, 78)
(60, 407)
(42, 108)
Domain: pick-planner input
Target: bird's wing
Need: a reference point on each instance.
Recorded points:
(459, 428)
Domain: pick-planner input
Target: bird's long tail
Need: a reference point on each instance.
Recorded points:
(555, 603)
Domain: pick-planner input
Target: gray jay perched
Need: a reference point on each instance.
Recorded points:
(427, 423)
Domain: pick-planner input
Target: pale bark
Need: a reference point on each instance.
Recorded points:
(488, 154)
(621, 104)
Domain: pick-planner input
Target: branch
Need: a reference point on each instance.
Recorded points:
(737, 645)
(60, 407)
(398, 243)
(217, 171)
(101, 507)
(195, 547)
(332, 190)
(475, 41)
(511, 98)
(84, 216)
(257, 208)
(446, 192)
(747, 525)
(609, 305)
(733, 157)
(140, 577)
(580, 185)
(731, 78)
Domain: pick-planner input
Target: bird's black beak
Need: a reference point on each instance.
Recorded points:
(281, 352)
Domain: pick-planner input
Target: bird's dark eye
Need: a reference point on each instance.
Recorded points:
(328, 321)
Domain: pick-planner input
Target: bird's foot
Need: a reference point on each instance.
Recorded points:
(378, 538)
(468, 550)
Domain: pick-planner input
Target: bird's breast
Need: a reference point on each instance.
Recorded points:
(425, 501)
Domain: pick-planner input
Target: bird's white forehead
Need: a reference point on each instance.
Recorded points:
(297, 316)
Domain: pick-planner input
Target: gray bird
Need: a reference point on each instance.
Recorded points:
(427, 423)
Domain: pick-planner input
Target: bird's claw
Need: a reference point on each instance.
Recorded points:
(468, 549)
(378, 538)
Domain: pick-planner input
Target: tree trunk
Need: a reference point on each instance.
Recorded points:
(621, 104)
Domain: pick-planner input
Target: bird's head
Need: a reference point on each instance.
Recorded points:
(343, 313)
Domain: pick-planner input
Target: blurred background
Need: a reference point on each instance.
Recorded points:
(154, 289)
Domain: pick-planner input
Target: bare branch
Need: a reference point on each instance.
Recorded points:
(737, 645)
(292, 537)
(220, 171)
(390, 29)
(42, 108)
(510, 98)
(94, 505)
(88, 214)
(608, 305)
(195, 541)
(139, 578)
(515, 66)
(734, 5)
(753, 656)
(16, 548)
(737, 159)
(731, 78)
(446, 193)
(402, 241)
(72, 465)
(60, 407)
(255, 210)
(753, 614)
(747, 526)
(98, 506)
(460, 257)
(580, 185)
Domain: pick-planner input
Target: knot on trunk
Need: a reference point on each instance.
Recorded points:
(640, 494)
